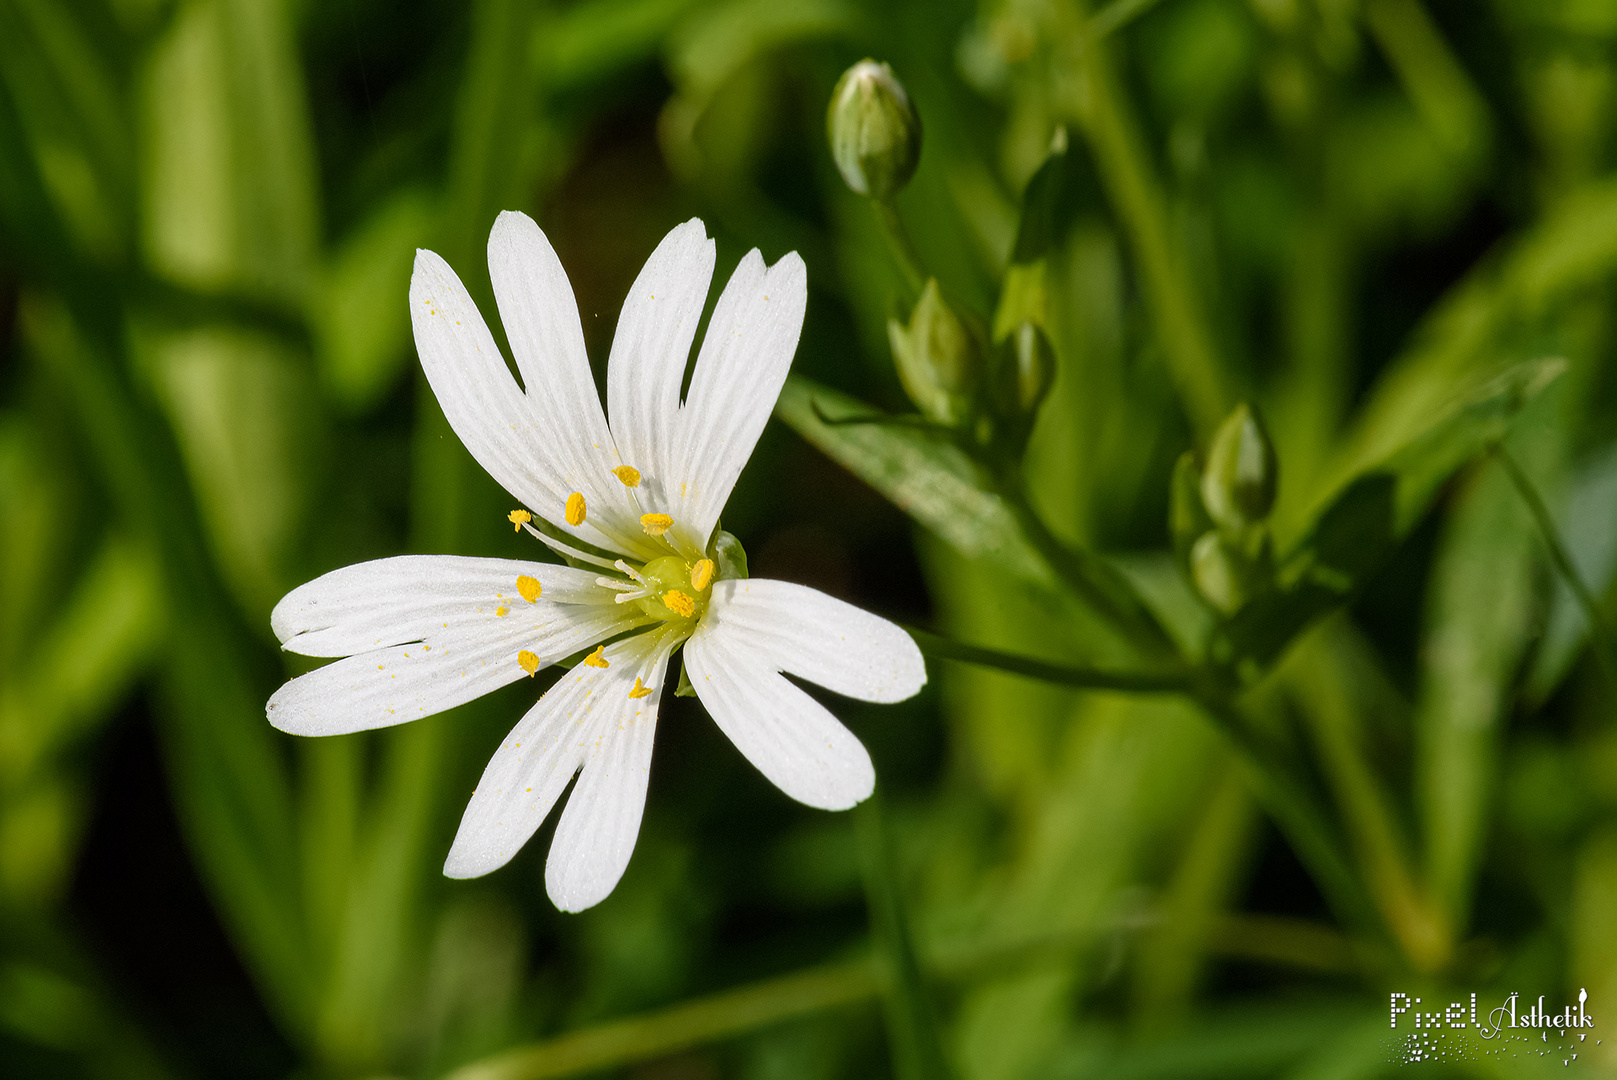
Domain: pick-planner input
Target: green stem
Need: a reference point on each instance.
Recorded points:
(912, 1027)
(1598, 630)
(1103, 111)
(899, 245)
(1084, 678)
(730, 1013)
(1090, 577)
(1298, 812)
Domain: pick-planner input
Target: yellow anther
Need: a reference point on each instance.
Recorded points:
(656, 524)
(529, 662)
(628, 474)
(595, 659)
(575, 508)
(679, 602)
(702, 574)
(639, 691)
(502, 611)
(529, 588)
(518, 518)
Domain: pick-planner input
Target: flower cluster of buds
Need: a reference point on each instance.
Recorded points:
(959, 376)
(1219, 511)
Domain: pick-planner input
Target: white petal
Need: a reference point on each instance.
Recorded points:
(480, 399)
(788, 735)
(650, 351)
(463, 659)
(541, 321)
(739, 372)
(392, 601)
(598, 827)
(787, 627)
(537, 759)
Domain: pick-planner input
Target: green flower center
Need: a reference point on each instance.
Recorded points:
(679, 590)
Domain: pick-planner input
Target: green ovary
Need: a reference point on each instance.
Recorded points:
(675, 599)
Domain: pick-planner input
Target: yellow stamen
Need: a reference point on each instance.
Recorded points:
(529, 588)
(575, 508)
(640, 691)
(702, 574)
(595, 659)
(502, 611)
(518, 518)
(656, 524)
(678, 601)
(628, 474)
(529, 662)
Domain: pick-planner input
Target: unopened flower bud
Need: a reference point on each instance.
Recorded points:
(875, 132)
(1187, 517)
(937, 357)
(1226, 572)
(1242, 473)
(1032, 368)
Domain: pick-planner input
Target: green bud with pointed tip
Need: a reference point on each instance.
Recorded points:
(1032, 368)
(1187, 517)
(1230, 571)
(875, 132)
(938, 358)
(1242, 473)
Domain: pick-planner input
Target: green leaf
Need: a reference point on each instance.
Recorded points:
(1358, 530)
(361, 322)
(926, 477)
(912, 1027)
(1588, 525)
(1479, 620)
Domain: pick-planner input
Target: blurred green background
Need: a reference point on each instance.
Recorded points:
(1348, 212)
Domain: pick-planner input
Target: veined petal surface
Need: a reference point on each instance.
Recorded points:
(599, 824)
(739, 372)
(650, 351)
(448, 648)
(787, 735)
(793, 628)
(566, 729)
(407, 598)
(541, 322)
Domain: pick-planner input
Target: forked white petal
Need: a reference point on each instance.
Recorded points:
(541, 322)
(577, 721)
(385, 602)
(480, 399)
(739, 372)
(787, 735)
(462, 660)
(601, 820)
(650, 351)
(793, 628)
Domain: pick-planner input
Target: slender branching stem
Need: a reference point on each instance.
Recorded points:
(1599, 631)
(899, 244)
(1083, 678)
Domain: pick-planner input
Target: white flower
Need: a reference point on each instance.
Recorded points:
(424, 633)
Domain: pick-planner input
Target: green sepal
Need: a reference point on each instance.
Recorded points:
(728, 555)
